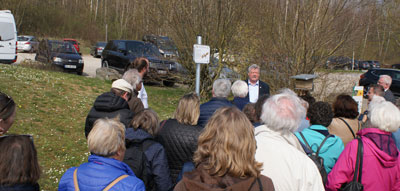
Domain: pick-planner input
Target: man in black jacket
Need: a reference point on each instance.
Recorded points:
(257, 88)
(111, 104)
(386, 81)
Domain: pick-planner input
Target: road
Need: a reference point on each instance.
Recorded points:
(91, 63)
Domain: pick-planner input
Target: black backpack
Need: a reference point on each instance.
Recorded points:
(136, 159)
(314, 156)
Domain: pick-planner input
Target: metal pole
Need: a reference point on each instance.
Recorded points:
(106, 33)
(198, 70)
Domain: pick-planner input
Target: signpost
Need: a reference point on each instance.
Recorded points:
(201, 55)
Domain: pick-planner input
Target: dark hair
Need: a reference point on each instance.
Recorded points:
(250, 111)
(19, 163)
(345, 106)
(7, 106)
(259, 105)
(378, 89)
(320, 113)
(139, 64)
(308, 98)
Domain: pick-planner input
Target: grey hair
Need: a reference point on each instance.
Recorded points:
(283, 112)
(222, 87)
(375, 101)
(253, 66)
(387, 79)
(385, 116)
(240, 88)
(133, 77)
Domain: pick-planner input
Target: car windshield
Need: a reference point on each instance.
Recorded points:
(22, 38)
(103, 44)
(151, 50)
(62, 47)
(71, 41)
(166, 45)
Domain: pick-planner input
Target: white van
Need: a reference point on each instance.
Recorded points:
(8, 37)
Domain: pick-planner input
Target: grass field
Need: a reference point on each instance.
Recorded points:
(52, 106)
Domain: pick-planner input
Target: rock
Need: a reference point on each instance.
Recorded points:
(107, 74)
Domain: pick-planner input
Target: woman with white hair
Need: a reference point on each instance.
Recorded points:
(239, 90)
(104, 169)
(380, 169)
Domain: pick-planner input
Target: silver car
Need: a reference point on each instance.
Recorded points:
(27, 44)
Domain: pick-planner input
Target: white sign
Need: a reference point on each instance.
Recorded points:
(358, 92)
(201, 54)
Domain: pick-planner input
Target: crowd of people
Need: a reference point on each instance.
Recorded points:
(256, 141)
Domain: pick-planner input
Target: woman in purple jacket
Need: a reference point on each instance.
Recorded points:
(381, 164)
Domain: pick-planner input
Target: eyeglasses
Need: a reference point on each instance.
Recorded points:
(14, 135)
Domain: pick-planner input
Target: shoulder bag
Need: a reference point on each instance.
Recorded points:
(356, 185)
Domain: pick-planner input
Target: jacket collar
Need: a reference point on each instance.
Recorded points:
(111, 162)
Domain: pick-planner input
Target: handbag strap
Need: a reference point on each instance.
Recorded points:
(76, 180)
(105, 189)
(319, 147)
(359, 161)
(351, 130)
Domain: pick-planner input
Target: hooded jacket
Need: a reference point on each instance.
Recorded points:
(199, 179)
(108, 105)
(331, 149)
(98, 173)
(157, 163)
(381, 167)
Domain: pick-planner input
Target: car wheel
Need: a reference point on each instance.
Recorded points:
(104, 64)
(79, 73)
(168, 83)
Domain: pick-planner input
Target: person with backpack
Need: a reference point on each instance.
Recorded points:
(378, 160)
(145, 156)
(104, 169)
(317, 137)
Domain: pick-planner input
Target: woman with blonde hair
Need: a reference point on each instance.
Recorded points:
(179, 135)
(225, 158)
(145, 126)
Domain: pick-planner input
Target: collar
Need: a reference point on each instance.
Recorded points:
(249, 83)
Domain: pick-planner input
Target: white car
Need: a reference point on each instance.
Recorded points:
(8, 37)
(27, 44)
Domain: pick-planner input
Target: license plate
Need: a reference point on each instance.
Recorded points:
(162, 72)
(70, 66)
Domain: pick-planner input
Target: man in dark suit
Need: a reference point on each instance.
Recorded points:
(257, 88)
(386, 81)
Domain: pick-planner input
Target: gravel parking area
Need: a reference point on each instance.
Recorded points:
(91, 63)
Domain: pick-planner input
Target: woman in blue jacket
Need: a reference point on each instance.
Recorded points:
(320, 115)
(105, 168)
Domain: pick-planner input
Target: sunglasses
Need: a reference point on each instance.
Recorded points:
(10, 100)
(13, 135)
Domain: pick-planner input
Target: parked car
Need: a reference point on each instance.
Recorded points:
(363, 65)
(396, 66)
(61, 54)
(119, 53)
(97, 49)
(339, 63)
(8, 37)
(165, 45)
(27, 43)
(74, 42)
(372, 77)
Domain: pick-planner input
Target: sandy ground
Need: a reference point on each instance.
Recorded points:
(91, 63)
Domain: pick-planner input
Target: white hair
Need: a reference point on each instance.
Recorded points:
(386, 79)
(375, 101)
(133, 77)
(252, 67)
(283, 112)
(222, 88)
(106, 137)
(240, 88)
(385, 116)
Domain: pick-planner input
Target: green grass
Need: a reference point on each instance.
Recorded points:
(52, 106)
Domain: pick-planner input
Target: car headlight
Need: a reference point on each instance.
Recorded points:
(57, 59)
(80, 61)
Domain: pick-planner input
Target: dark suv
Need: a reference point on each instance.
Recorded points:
(372, 77)
(119, 53)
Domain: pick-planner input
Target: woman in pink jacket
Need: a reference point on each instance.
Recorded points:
(381, 164)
